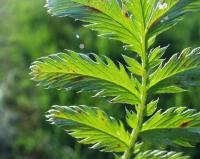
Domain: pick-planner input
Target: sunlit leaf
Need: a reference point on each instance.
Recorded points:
(91, 126)
(151, 107)
(109, 17)
(160, 154)
(169, 77)
(81, 72)
(134, 66)
(175, 126)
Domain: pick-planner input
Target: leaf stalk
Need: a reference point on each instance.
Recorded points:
(140, 112)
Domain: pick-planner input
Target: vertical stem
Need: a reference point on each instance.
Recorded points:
(142, 106)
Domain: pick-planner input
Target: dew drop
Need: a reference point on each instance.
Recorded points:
(77, 36)
(81, 46)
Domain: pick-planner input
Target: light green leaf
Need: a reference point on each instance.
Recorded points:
(179, 126)
(126, 20)
(155, 57)
(78, 71)
(160, 154)
(131, 119)
(167, 13)
(134, 66)
(116, 156)
(137, 9)
(168, 89)
(173, 118)
(153, 17)
(109, 17)
(151, 107)
(91, 126)
(178, 66)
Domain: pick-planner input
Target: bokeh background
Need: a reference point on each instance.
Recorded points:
(27, 32)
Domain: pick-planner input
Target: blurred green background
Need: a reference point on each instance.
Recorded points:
(27, 32)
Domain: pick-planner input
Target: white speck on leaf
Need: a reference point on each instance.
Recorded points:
(162, 5)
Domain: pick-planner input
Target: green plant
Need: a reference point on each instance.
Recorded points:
(136, 23)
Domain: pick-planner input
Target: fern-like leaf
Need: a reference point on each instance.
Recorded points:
(136, 23)
(134, 66)
(165, 14)
(169, 78)
(78, 71)
(91, 126)
(153, 17)
(158, 154)
(126, 20)
(175, 126)
(109, 17)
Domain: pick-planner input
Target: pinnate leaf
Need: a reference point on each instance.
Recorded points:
(110, 18)
(151, 107)
(134, 66)
(131, 119)
(175, 126)
(91, 126)
(167, 13)
(160, 154)
(175, 71)
(81, 72)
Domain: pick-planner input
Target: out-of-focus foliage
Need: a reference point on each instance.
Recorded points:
(26, 33)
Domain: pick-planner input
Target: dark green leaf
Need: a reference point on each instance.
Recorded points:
(175, 126)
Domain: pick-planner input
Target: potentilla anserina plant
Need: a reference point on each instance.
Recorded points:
(136, 23)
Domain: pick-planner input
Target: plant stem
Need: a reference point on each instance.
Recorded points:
(142, 106)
